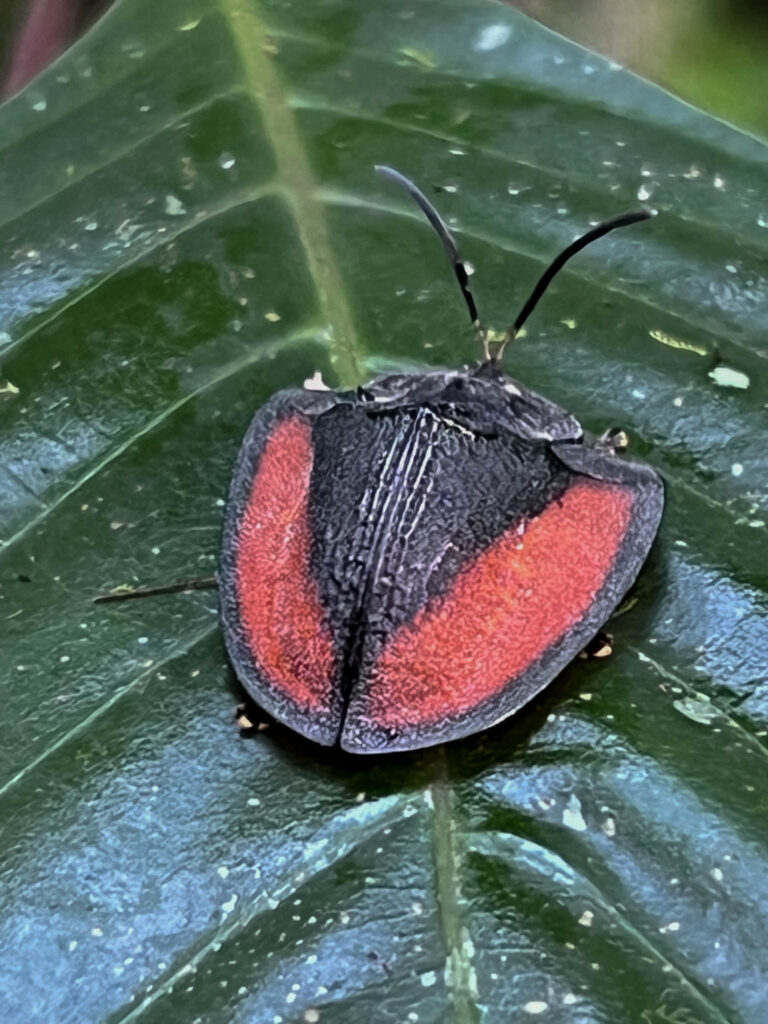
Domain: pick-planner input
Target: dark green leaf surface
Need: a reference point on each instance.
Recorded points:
(189, 223)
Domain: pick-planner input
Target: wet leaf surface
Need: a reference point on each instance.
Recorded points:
(189, 223)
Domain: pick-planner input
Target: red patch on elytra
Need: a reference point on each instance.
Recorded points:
(504, 610)
(280, 609)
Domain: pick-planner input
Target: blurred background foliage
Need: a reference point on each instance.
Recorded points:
(711, 53)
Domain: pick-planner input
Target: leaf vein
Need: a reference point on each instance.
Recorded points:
(263, 351)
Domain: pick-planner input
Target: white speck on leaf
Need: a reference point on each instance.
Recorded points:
(727, 377)
(572, 816)
(428, 979)
(536, 1006)
(492, 37)
(586, 919)
(698, 710)
(609, 827)
(673, 926)
(174, 206)
(316, 382)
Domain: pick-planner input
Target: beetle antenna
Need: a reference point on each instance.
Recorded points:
(449, 242)
(622, 221)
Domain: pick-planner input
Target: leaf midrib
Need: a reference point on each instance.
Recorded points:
(294, 173)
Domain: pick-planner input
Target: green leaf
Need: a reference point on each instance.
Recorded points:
(190, 222)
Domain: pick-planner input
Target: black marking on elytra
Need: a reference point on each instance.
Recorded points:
(402, 497)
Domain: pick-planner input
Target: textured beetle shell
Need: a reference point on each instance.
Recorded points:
(412, 562)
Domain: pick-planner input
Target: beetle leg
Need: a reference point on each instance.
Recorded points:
(128, 593)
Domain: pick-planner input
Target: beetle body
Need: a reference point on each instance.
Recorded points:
(411, 562)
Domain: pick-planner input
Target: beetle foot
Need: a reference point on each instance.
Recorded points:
(245, 721)
(600, 646)
(613, 440)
